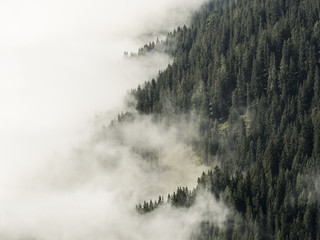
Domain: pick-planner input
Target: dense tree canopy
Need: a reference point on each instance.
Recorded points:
(249, 70)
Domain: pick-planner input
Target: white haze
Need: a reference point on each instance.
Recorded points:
(61, 64)
(91, 194)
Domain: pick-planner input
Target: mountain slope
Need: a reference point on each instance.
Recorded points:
(249, 71)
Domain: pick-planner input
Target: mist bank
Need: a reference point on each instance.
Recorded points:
(61, 176)
(62, 63)
(92, 191)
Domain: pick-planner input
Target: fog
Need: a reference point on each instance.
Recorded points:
(91, 193)
(63, 76)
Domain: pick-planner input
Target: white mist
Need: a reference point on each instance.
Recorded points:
(62, 63)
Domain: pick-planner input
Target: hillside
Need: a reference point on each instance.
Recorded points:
(249, 72)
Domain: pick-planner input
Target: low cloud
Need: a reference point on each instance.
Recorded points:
(63, 63)
(92, 192)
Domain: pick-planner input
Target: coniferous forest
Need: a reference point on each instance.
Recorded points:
(248, 71)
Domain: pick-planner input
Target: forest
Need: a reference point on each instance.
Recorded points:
(248, 72)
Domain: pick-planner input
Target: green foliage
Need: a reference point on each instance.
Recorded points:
(249, 70)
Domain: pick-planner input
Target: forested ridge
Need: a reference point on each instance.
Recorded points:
(249, 71)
